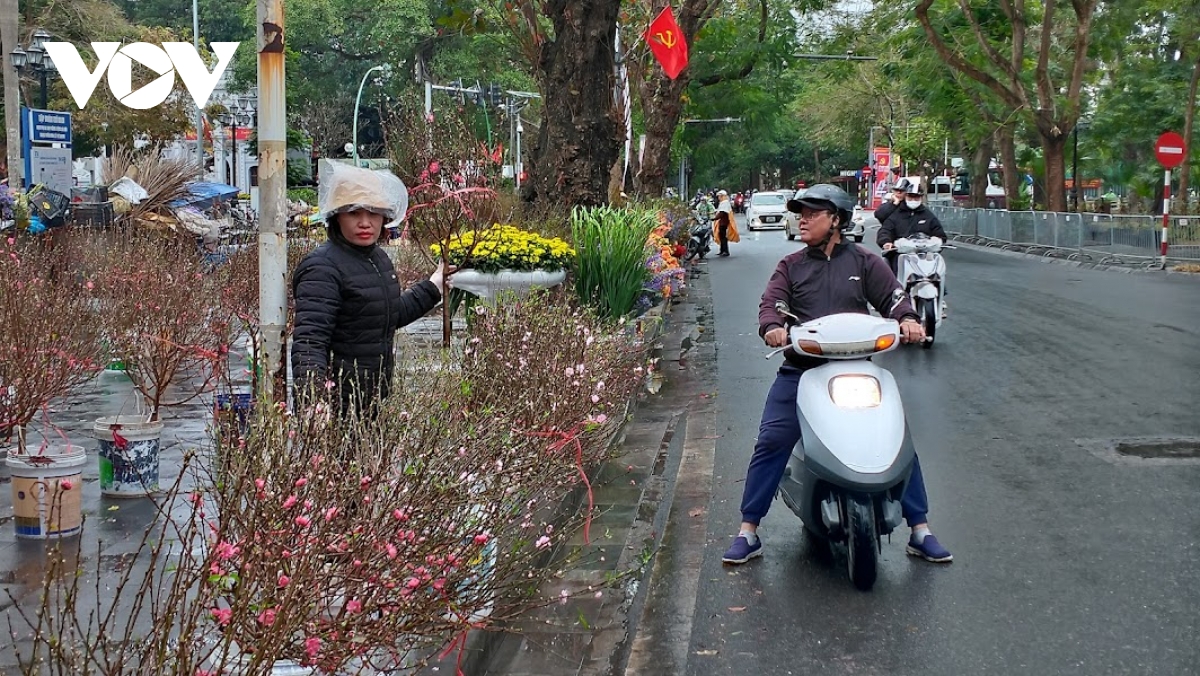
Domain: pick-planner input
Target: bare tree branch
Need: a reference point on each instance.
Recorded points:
(747, 67)
(984, 43)
(1045, 91)
(1013, 96)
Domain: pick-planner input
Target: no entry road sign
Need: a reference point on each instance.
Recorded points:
(1170, 150)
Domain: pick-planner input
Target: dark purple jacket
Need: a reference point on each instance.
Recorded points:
(814, 286)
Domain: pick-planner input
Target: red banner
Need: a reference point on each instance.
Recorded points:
(882, 166)
(667, 43)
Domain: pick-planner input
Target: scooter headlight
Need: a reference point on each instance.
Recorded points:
(855, 391)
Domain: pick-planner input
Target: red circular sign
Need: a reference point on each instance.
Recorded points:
(1170, 150)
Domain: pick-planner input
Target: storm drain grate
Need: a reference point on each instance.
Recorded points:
(1147, 451)
(1168, 449)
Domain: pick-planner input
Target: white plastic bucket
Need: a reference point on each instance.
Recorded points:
(128, 455)
(46, 491)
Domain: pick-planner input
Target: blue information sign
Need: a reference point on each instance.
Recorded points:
(48, 132)
(48, 126)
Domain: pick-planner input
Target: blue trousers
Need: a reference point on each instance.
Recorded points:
(778, 434)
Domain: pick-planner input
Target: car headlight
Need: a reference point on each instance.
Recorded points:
(855, 391)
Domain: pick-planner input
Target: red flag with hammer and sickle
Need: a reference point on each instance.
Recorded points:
(667, 43)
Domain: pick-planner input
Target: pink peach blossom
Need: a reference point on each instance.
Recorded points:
(267, 617)
(284, 581)
(354, 606)
(222, 615)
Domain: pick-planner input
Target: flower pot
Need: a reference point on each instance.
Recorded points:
(487, 285)
(129, 449)
(46, 490)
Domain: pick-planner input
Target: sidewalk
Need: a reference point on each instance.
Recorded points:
(586, 635)
(589, 634)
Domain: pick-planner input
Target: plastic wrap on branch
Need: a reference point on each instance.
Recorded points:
(348, 188)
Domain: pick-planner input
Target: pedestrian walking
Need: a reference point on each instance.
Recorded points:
(725, 226)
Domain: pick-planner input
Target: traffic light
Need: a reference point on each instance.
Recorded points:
(457, 84)
(495, 95)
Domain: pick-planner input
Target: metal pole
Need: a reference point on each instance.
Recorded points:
(358, 98)
(45, 88)
(871, 164)
(512, 138)
(9, 18)
(234, 182)
(1075, 170)
(1166, 214)
(683, 195)
(199, 112)
(272, 172)
(517, 156)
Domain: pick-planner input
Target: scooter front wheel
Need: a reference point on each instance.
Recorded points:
(928, 311)
(862, 547)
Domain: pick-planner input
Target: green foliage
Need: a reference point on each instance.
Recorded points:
(306, 195)
(610, 264)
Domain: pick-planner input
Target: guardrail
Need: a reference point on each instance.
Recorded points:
(1105, 239)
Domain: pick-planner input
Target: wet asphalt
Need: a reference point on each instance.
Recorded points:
(1069, 559)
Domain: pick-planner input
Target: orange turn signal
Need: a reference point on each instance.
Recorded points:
(810, 346)
(884, 342)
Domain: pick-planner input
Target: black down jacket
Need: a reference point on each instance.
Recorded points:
(348, 308)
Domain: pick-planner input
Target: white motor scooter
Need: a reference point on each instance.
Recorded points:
(846, 476)
(922, 271)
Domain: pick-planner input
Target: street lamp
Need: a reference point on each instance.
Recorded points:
(386, 70)
(32, 60)
(242, 113)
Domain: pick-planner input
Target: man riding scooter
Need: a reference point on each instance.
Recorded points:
(829, 276)
(909, 217)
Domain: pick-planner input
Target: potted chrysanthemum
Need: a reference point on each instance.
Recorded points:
(506, 258)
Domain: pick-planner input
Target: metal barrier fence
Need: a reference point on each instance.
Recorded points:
(1100, 238)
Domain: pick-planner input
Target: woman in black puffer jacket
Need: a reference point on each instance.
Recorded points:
(349, 303)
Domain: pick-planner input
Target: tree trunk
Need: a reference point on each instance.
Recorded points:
(662, 101)
(577, 143)
(981, 161)
(1189, 119)
(12, 90)
(1008, 161)
(1054, 152)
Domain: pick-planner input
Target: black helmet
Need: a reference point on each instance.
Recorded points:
(827, 197)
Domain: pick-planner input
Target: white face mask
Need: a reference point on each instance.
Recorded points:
(912, 204)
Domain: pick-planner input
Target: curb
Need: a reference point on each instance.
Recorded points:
(1141, 268)
(589, 633)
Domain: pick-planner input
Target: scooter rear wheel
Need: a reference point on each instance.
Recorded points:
(862, 547)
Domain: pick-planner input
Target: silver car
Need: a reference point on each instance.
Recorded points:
(766, 210)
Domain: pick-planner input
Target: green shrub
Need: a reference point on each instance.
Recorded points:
(308, 195)
(610, 263)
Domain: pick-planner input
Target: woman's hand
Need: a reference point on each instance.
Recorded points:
(441, 274)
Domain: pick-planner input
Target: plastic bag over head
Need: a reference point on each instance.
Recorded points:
(348, 188)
